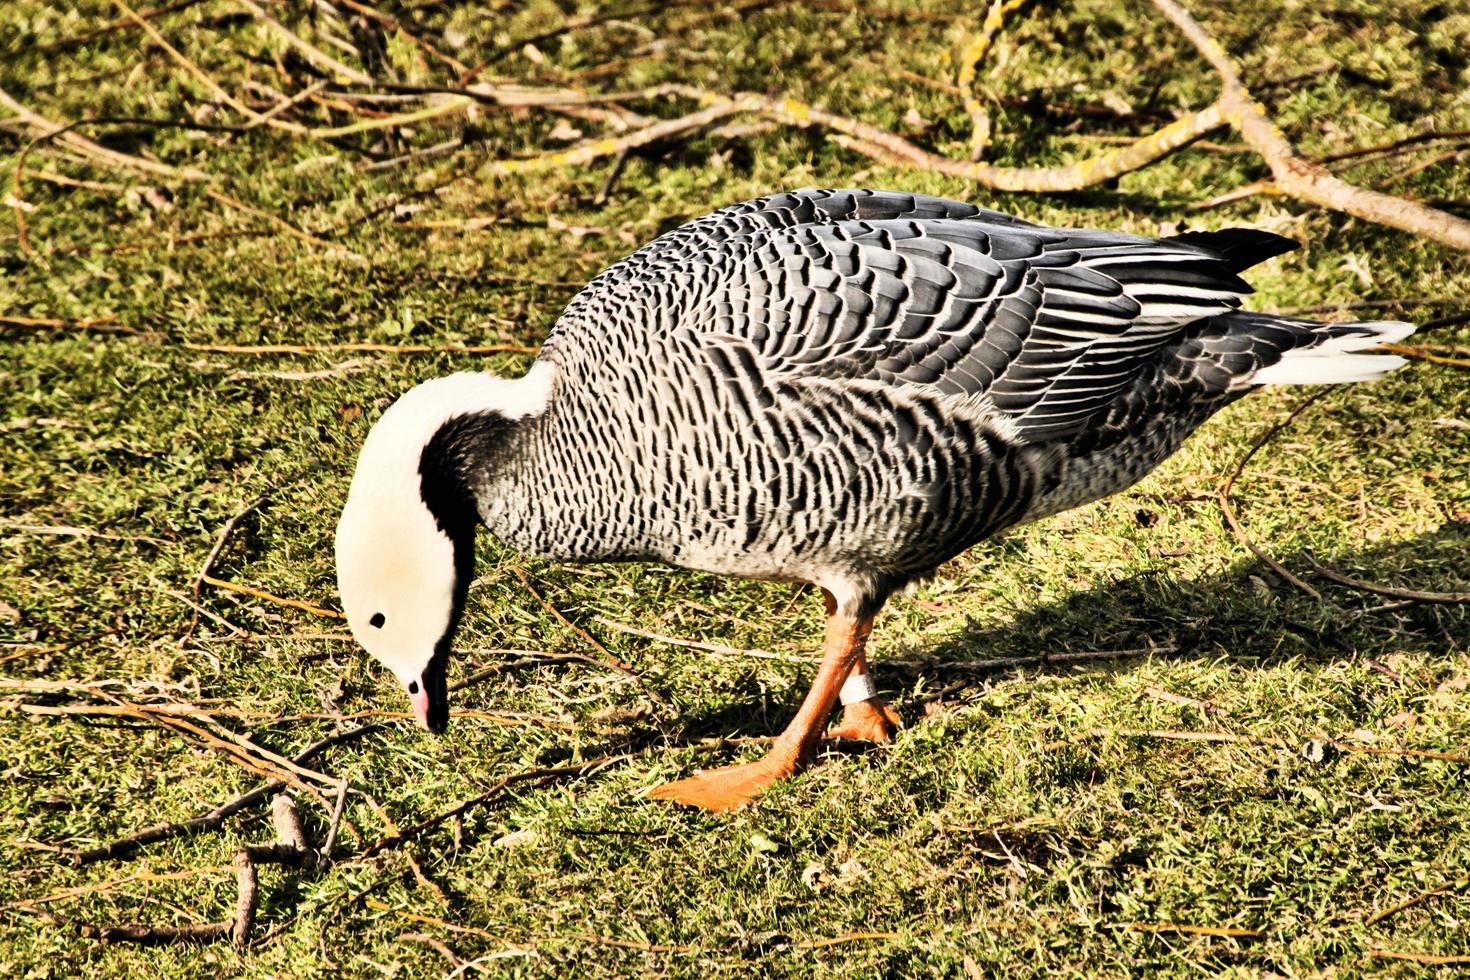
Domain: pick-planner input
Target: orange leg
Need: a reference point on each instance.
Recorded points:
(734, 786)
(866, 721)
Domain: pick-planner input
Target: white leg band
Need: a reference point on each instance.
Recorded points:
(858, 687)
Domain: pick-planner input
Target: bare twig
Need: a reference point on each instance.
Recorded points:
(121, 24)
(1189, 930)
(1383, 590)
(281, 223)
(1228, 509)
(883, 145)
(1427, 958)
(219, 545)
(537, 776)
(94, 151)
(970, 59)
(214, 87)
(1296, 176)
(607, 656)
(215, 818)
(268, 597)
(1409, 903)
(290, 849)
(314, 55)
(263, 349)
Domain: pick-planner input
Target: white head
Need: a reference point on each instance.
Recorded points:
(405, 543)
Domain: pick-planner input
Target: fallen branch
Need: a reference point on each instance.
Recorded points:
(970, 59)
(607, 656)
(1383, 590)
(1228, 509)
(101, 154)
(219, 545)
(215, 818)
(263, 349)
(1428, 958)
(537, 776)
(268, 597)
(289, 850)
(1421, 352)
(1189, 930)
(1423, 896)
(1296, 176)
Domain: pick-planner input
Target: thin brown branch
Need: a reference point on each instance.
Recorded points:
(209, 83)
(1383, 590)
(215, 818)
(1420, 898)
(1296, 176)
(607, 655)
(1421, 352)
(262, 349)
(885, 146)
(1228, 509)
(974, 53)
(281, 223)
(268, 597)
(1181, 928)
(537, 776)
(1426, 958)
(214, 553)
(314, 55)
(121, 24)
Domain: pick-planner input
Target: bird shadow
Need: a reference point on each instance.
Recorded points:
(1245, 615)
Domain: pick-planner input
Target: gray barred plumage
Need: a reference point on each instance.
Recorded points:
(851, 387)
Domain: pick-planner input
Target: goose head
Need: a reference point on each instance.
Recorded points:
(405, 543)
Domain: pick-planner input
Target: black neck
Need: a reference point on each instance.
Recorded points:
(453, 464)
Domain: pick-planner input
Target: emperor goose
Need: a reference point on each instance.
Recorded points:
(845, 388)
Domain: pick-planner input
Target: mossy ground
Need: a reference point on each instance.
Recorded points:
(1015, 826)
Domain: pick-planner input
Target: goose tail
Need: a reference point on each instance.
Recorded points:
(1337, 353)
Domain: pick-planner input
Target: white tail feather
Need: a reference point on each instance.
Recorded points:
(1339, 360)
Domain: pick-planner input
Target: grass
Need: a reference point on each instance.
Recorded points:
(1021, 825)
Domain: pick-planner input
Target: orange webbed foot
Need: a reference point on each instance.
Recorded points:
(726, 788)
(867, 721)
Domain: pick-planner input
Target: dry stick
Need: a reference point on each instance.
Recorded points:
(199, 73)
(374, 14)
(99, 324)
(121, 24)
(261, 349)
(1418, 352)
(98, 888)
(1429, 958)
(280, 223)
(1179, 927)
(1383, 590)
(536, 775)
(885, 146)
(314, 55)
(219, 545)
(1228, 509)
(592, 641)
(1429, 135)
(237, 749)
(1232, 738)
(268, 597)
(96, 151)
(1423, 896)
(216, 817)
(970, 59)
(1296, 176)
(290, 850)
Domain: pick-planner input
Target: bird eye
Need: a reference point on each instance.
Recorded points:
(413, 687)
(377, 621)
